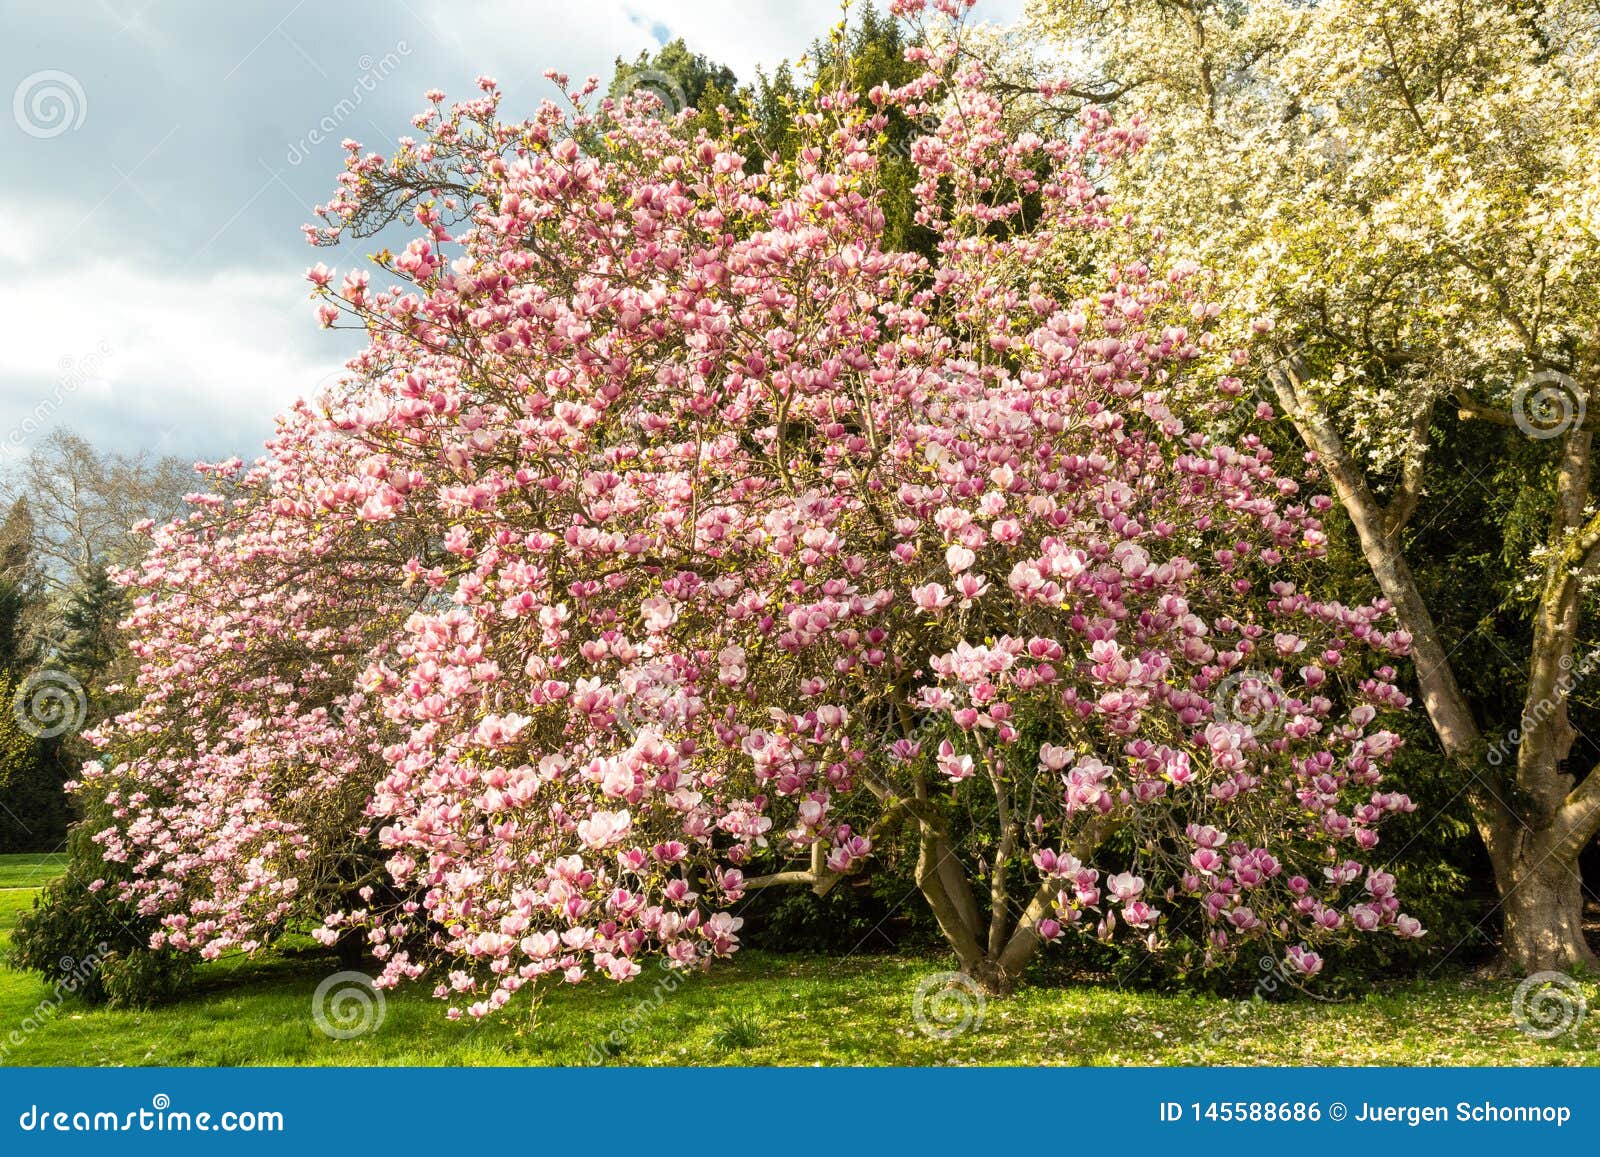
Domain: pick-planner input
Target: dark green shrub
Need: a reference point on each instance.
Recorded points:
(142, 977)
(88, 941)
(35, 813)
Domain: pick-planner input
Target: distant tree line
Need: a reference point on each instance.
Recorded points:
(67, 509)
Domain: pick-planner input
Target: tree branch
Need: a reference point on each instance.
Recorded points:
(1469, 408)
(1447, 707)
(1024, 940)
(819, 877)
(1404, 504)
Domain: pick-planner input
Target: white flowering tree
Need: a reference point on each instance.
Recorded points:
(1402, 195)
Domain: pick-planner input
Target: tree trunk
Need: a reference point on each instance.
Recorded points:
(1541, 888)
(1542, 905)
(992, 978)
(351, 949)
(944, 886)
(948, 897)
(1533, 840)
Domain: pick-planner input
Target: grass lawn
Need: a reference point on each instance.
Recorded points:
(31, 871)
(774, 1010)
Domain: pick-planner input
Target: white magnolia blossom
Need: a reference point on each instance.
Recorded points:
(1407, 187)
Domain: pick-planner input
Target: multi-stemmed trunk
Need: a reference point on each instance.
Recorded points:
(993, 950)
(1533, 817)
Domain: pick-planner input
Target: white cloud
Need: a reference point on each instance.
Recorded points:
(741, 35)
(585, 38)
(139, 357)
(516, 40)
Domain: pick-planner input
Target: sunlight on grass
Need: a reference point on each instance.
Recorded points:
(764, 1009)
(31, 871)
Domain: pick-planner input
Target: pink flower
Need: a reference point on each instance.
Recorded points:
(904, 750)
(1302, 960)
(1244, 919)
(971, 587)
(658, 614)
(1053, 864)
(1125, 886)
(956, 766)
(603, 829)
(1139, 914)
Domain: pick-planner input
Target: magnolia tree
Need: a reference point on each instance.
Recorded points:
(1407, 187)
(240, 781)
(693, 542)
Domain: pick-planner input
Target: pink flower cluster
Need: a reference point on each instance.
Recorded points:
(670, 527)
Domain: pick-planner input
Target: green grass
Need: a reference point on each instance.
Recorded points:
(736, 1033)
(774, 1010)
(32, 870)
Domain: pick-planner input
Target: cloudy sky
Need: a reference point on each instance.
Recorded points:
(162, 155)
